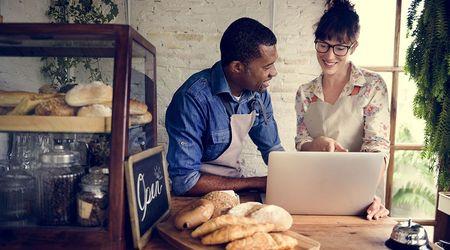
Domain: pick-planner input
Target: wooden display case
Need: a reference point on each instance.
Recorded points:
(131, 57)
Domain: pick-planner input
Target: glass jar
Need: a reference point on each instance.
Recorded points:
(58, 179)
(16, 195)
(93, 199)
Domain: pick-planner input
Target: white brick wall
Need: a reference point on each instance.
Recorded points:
(186, 34)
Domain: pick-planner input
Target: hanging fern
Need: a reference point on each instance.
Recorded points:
(428, 63)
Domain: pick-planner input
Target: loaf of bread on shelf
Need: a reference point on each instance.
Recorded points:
(88, 94)
(234, 232)
(140, 119)
(136, 107)
(95, 110)
(13, 98)
(28, 104)
(262, 240)
(55, 107)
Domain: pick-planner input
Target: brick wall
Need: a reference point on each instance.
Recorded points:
(187, 35)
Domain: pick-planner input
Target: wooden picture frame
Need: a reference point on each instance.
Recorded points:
(141, 194)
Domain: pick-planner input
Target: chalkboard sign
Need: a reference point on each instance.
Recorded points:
(148, 192)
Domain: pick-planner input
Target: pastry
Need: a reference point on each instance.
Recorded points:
(88, 94)
(194, 214)
(219, 222)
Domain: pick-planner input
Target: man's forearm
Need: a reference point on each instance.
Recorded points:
(208, 183)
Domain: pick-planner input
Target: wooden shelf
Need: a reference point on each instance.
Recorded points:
(71, 124)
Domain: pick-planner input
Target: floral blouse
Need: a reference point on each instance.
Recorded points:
(371, 90)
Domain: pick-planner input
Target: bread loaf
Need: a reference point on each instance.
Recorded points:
(259, 240)
(223, 201)
(136, 107)
(234, 232)
(141, 119)
(55, 107)
(275, 215)
(245, 209)
(13, 98)
(29, 103)
(88, 94)
(262, 240)
(194, 214)
(95, 110)
(219, 222)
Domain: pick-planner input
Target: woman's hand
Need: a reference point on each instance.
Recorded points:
(323, 143)
(376, 210)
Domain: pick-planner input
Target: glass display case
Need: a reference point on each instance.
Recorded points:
(76, 100)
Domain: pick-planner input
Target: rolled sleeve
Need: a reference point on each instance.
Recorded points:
(184, 125)
(265, 134)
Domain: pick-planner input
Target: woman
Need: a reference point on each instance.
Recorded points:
(346, 108)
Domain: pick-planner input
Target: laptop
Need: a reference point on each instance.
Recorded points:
(323, 183)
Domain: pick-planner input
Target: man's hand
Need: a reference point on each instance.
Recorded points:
(323, 143)
(376, 210)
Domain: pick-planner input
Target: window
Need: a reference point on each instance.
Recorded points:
(411, 187)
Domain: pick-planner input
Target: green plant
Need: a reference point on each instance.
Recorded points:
(76, 11)
(414, 193)
(428, 63)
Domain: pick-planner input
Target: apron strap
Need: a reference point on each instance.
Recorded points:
(227, 105)
(263, 110)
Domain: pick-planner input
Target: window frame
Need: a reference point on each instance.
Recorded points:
(396, 69)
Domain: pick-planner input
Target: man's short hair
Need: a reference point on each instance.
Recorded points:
(241, 40)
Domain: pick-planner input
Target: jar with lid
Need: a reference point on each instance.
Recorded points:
(16, 196)
(58, 178)
(93, 198)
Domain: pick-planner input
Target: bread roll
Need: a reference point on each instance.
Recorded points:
(13, 98)
(194, 214)
(245, 209)
(219, 222)
(136, 107)
(275, 215)
(223, 201)
(88, 94)
(55, 107)
(96, 110)
(141, 119)
(234, 232)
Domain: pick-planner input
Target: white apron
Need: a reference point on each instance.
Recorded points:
(229, 163)
(343, 121)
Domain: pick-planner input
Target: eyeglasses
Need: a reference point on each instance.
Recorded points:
(338, 49)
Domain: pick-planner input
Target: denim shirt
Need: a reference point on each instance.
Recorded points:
(199, 128)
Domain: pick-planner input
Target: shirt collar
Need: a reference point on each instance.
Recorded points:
(220, 85)
(356, 79)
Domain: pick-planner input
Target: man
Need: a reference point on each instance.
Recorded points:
(213, 111)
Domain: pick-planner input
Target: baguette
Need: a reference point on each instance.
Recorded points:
(88, 94)
(234, 232)
(219, 222)
(194, 214)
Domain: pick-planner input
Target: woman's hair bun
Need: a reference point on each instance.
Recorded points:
(339, 4)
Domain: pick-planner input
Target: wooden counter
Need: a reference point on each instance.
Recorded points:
(333, 232)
